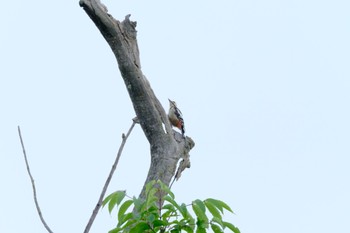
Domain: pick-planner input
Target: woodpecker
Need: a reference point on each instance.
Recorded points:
(175, 117)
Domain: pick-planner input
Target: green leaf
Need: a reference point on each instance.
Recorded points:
(158, 223)
(199, 209)
(113, 199)
(219, 204)
(202, 224)
(187, 225)
(106, 200)
(151, 198)
(149, 186)
(127, 218)
(120, 196)
(175, 223)
(188, 229)
(140, 227)
(168, 214)
(216, 228)
(165, 188)
(231, 227)
(169, 207)
(127, 221)
(218, 221)
(191, 222)
(152, 210)
(201, 230)
(123, 208)
(151, 218)
(173, 202)
(175, 231)
(139, 203)
(184, 212)
(200, 204)
(213, 209)
(115, 230)
(200, 213)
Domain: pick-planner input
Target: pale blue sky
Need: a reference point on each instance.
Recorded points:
(264, 87)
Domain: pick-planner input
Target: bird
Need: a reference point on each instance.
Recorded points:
(175, 117)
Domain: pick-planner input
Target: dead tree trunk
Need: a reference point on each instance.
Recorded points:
(167, 146)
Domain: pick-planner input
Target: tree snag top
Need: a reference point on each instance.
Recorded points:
(166, 147)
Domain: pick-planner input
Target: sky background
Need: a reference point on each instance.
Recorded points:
(264, 87)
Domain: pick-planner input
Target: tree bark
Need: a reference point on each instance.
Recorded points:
(167, 146)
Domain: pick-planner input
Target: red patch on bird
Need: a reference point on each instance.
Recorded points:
(179, 124)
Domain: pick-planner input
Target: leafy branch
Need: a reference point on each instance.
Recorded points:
(158, 212)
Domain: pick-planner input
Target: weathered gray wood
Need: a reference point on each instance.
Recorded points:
(167, 146)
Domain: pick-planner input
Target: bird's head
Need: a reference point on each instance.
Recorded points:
(172, 103)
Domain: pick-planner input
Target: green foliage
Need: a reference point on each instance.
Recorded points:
(160, 213)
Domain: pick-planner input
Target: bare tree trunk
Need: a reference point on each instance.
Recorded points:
(167, 146)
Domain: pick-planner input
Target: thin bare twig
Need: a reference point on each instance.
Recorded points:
(33, 185)
(99, 203)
